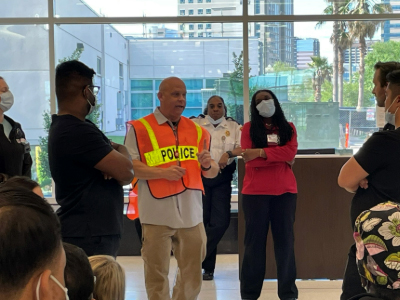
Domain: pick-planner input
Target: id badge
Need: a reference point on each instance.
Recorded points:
(272, 138)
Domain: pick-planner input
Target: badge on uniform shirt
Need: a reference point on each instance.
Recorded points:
(227, 133)
(272, 138)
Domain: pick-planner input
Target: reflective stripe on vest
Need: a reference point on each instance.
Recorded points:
(167, 154)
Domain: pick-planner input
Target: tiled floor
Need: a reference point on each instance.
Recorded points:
(226, 282)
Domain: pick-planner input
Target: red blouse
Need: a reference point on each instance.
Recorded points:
(271, 176)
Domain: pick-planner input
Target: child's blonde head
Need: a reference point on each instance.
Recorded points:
(110, 278)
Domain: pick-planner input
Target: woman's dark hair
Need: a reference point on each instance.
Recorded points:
(17, 181)
(205, 112)
(258, 131)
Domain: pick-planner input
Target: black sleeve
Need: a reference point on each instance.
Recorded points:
(85, 143)
(372, 154)
(27, 162)
(388, 126)
(27, 165)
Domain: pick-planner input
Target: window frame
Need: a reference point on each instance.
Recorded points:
(52, 20)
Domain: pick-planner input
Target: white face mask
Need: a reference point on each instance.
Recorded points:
(7, 100)
(92, 107)
(57, 282)
(266, 108)
(389, 117)
(215, 122)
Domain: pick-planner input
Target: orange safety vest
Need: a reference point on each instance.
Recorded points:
(158, 147)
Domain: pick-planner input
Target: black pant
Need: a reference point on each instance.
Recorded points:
(351, 281)
(96, 245)
(216, 211)
(259, 212)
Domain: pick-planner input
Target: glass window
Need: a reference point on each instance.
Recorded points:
(24, 62)
(142, 85)
(208, 1)
(191, 34)
(193, 99)
(182, 12)
(296, 63)
(200, 26)
(208, 26)
(140, 113)
(193, 84)
(121, 70)
(18, 9)
(190, 12)
(98, 69)
(189, 112)
(125, 8)
(141, 100)
(309, 7)
(200, 34)
(200, 11)
(210, 83)
(208, 34)
(208, 11)
(191, 27)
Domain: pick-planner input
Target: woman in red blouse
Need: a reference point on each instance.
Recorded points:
(269, 145)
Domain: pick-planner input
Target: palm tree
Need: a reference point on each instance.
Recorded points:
(344, 41)
(335, 10)
(336, 7)
(322, 72)
(360, 30)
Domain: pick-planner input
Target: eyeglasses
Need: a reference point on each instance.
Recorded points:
(93, 88)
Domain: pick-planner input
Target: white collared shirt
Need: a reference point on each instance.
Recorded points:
(224, 137)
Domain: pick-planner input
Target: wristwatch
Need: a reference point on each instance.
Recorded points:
(229, 153)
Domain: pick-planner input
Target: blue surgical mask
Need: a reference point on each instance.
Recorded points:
(7, 100)
(266, 108)
(57, 282)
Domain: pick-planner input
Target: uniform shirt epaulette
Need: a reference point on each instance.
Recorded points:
(232, 119)
(200, 116)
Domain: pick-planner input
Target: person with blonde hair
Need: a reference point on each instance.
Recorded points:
(110, 278)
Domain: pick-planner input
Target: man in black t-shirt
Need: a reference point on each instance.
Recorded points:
(88, 170)
(373, 174)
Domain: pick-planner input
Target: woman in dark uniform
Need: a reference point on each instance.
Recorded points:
(15, 157)
(225, 146)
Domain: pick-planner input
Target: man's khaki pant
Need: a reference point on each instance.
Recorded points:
(189, 247)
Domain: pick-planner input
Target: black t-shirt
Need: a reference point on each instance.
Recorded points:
(380, 158)
(89, 204)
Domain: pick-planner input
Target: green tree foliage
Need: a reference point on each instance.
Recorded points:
(381, 51)
(322, 72)
(236, 88)
(361, 30)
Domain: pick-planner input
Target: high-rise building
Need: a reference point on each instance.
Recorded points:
(305, 48)
(391, 29)
(277, 38)
(211, 8)
(351, 62)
